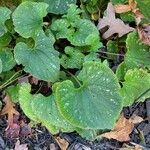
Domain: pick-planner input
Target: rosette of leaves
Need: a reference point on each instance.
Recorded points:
(80, 32)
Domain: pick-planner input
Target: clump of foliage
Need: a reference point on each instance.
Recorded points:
(86, 95)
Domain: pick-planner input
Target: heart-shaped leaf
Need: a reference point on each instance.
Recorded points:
(28, 18)
(96, 104)
(42, 61)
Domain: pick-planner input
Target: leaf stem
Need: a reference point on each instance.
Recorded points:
(74, 78)
(10, 80)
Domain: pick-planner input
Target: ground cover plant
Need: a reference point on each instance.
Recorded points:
(93, 56)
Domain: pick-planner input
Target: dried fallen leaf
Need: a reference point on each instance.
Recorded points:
(115, 25)
(144, 34)
(63, 144)
(119, 8)
(131, 6)
(138, 147)
(13, 131)
(9, 110)
(19, 146)
(123, 128)
(135, 119)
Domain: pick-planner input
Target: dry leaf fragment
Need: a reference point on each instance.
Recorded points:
(121, 130)
(115, 25)
(19, 146)
(144, 34)
(119, 8)
(131, 6)
(63, 144)
(136, 119)
(9, 110)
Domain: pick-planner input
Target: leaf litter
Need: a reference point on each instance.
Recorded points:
(114, 24)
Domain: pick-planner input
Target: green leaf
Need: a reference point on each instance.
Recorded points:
(144, 7)
(50, 113)
(87, 134)
(80, 32)
(13, 92)
(1, 66)
(60, 28)
(5, 15)
(73, 58)
(137, 55)
(112, 47)
(28, 18)
(96, 104)
(7, 59)
(119, 1)
(92, 57)
(5, 40)
(42, 61)
(25, 101)
(136, 82)
(58, 6)
(86, 34)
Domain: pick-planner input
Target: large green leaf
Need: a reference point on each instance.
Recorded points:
(58, 6)
(96, 104)
(42, 61)
(137, 81)
(4, 15)
(7, 59)
(73, 58)
(50, 113)
(28, 18)
(25, 101)
(137, 55)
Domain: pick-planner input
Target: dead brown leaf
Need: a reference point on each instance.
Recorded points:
(9, 110)
(119, 8)
(131, 6)
(19, 146)
(144, 34)
(115, 25)
(63, 144)
(123, 128)
(138, 147)
(135, 119)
